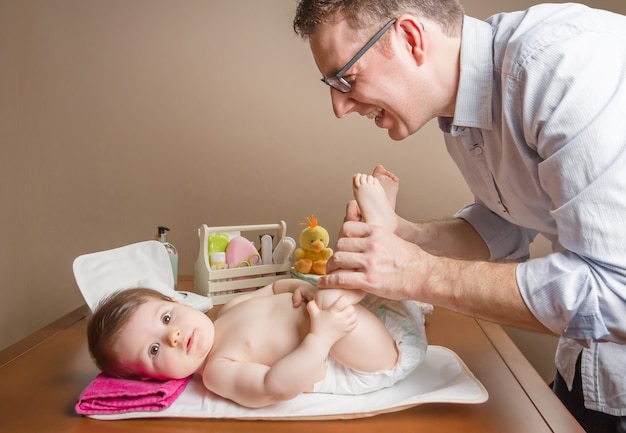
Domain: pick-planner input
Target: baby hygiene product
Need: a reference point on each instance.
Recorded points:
(171, 251)
(284, 250)
(218, 260)
(242, 253)
(246, 271)
(266, 249)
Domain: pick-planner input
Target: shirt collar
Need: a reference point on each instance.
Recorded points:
(473, 99)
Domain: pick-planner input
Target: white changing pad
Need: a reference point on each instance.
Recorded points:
(442, 377)
(142, 264)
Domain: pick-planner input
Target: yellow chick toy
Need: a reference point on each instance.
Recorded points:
(311, 258)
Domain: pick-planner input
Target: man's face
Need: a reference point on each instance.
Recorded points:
(383, 81)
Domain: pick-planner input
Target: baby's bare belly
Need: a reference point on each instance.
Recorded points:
(261, 330)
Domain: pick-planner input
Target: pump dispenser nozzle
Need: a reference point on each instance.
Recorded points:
(162, 233)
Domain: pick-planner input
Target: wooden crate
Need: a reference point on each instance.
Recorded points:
(223, 284)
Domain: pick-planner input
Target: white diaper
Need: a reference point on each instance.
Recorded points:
(405, 322)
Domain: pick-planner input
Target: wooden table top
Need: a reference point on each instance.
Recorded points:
(42, 376)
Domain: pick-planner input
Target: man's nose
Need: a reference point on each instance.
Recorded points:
(174, 337)
(343, 104)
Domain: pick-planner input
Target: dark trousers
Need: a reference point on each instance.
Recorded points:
(591, 420)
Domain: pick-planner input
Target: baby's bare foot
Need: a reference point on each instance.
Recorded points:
(389, 182)
(373, 201)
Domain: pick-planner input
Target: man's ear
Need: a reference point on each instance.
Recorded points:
(413, 32)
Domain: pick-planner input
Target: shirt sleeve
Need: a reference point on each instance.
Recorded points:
(506, 241)
(574, 113)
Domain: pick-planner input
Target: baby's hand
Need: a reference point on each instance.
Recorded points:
(333, 323)
(304, 293)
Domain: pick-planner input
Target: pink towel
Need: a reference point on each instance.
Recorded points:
(109, 395)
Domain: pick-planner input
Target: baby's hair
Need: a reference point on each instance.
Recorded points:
(106, 323)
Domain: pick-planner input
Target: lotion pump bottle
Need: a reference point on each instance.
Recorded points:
(171, 250)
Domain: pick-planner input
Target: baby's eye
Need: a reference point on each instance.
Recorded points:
(154, 349)
(166, 318)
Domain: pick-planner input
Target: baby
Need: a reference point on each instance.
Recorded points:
(265, 346)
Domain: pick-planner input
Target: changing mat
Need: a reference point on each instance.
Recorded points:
(143, 264)
(442, 377)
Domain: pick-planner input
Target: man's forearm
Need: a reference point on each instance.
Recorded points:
(463, 280)
(451, 237)
(481, 289)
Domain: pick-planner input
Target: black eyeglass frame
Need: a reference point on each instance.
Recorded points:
(337, 81)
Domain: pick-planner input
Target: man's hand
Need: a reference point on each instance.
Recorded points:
(376, 261)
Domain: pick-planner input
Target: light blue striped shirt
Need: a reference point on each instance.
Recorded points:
(539, 133)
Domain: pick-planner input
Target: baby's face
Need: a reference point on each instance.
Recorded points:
(165, 340)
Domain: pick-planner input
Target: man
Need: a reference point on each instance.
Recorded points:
(533, 112)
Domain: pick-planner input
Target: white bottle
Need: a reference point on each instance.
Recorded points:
(266, 250)
(171, 251)
(218, 261)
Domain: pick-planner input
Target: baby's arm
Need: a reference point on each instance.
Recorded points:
(304, 292)
(257, 385)
(327, 297)
(300, 289)
(263, 291)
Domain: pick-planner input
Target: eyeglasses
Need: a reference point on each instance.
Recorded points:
(337, 81)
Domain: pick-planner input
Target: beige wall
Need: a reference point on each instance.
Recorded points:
(117, 116)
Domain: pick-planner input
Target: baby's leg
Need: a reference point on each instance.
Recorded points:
(373, 202)
(369, 347)
(327, 297)
(389, 182)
